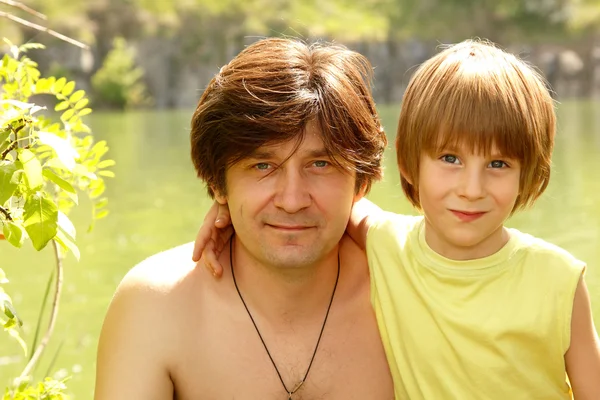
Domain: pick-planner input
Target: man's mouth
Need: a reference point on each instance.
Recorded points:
(289, 227)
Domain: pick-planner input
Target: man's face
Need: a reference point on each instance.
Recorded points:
(289, 208)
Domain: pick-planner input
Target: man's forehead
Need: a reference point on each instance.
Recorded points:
(306, 143)
(285, 150)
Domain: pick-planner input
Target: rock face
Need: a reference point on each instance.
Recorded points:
(176, 79)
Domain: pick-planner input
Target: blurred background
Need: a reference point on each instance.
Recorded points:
(147, 64)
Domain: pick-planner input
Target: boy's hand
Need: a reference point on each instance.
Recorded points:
(212, 236)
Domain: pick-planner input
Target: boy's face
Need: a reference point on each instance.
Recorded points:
(466, 198)
(289, 204)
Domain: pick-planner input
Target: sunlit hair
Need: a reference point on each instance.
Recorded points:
(270, 91)
(475, 96)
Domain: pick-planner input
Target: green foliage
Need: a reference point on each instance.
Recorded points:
(48, 389)
(47, 159)
(119, 82)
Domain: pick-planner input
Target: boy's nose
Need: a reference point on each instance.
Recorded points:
(472, 185)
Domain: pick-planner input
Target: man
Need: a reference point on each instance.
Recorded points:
(287, 135)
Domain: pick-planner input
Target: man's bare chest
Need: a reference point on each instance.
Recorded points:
(230, 362)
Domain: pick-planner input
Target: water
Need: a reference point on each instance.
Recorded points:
(156, 203)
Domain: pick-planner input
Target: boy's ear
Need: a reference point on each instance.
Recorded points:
(361, 192)
(406, 176)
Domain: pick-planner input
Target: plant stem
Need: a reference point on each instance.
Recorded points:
(53, 314)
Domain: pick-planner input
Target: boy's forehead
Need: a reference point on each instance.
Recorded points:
(471, 144)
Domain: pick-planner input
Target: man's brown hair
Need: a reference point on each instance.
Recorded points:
(270, 91)
(475, 95)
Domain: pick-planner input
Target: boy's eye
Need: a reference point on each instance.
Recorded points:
(449, 158)
(320, 163)
(498, 164)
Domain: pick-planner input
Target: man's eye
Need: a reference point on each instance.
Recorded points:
(449, 158)
(320, 163)
(262, 166)
(498, 164)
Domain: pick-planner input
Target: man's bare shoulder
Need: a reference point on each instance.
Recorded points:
(136, 350)
(163, 272)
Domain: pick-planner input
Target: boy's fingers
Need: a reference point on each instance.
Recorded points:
(223, 219)
(211, 260)
(205, 233)
(222, 238)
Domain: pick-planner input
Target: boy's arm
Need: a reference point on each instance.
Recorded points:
(364, 212)
(583, 357)
(132, 352)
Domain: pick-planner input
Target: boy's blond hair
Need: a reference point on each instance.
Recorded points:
(476, 95)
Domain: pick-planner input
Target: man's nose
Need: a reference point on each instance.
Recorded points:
(293, 191)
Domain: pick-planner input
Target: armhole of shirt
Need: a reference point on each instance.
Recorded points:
(573, 282)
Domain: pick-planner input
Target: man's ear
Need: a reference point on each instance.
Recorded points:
(220, 197)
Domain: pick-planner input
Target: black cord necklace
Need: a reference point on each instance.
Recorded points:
(299, 385)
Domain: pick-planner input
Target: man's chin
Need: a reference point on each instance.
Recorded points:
(292, 256)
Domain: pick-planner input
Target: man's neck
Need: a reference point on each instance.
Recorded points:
(290, 295)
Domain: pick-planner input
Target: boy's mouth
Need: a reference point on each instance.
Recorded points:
(468, 216)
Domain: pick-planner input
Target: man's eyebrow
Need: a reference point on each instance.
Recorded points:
(261, 154)
(316, 153)
(265, 154)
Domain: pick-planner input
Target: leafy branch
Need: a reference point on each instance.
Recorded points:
(47, 159)
(35, 26)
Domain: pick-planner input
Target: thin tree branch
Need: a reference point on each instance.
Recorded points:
(6, 213)
(43, 29)
(24, 8)
(53, 314)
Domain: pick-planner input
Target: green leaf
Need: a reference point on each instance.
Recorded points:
(7, 186)
(15, 334)
(105, 164)
(10, 312)
(101, 203)
(63, 184)
(65, 224)
(68, 244)
(81, 103)
(13, 233)
(4, 135)
(108, 174)
(85, 112)
(68, 89)
(101, 214)
(64, 150)
(78, 95)
(40, 219)
(32, 167)
(59, 85)
(18, 104)
(67, 115)
(63, 105)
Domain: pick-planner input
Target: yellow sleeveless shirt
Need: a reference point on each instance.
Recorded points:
(493, 328)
